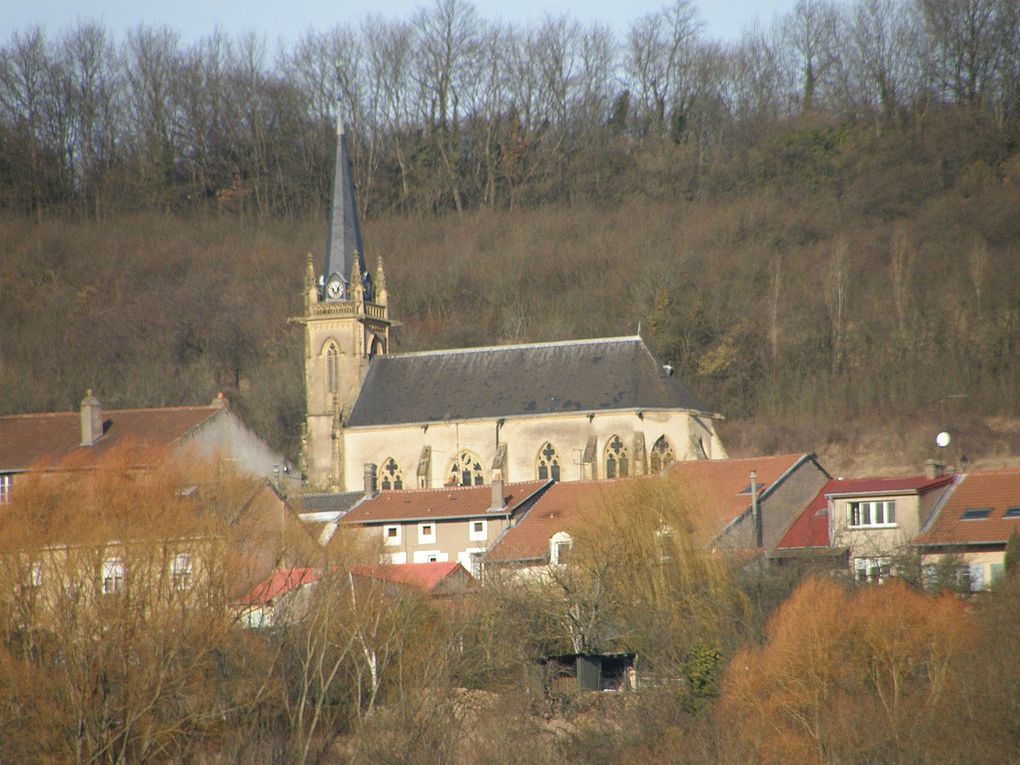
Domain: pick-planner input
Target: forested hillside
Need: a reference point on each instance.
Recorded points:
(818, 223)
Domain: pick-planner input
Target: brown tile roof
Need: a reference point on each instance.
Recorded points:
(47, 441)
(715, 485)
(558, 509)
(724, 485)
(997, 491)
(451, 502)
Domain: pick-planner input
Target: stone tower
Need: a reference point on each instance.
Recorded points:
(346, 322)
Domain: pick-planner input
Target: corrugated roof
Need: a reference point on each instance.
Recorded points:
(42, 441)
(997, 491)
(450, 502)
(517, 380)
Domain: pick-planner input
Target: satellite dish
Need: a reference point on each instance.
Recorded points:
(942, 439)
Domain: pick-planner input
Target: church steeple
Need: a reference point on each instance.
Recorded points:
(343, 239)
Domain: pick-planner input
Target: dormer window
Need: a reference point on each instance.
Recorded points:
(560, 545)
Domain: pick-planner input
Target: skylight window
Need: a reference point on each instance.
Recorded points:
(976, 513)
(1012, 512)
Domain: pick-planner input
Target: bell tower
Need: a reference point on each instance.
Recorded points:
(346, 322)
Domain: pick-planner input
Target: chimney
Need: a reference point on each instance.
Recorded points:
(756, 510)
(91, 419)
(934, 469)
(498, 497)
(369, 480)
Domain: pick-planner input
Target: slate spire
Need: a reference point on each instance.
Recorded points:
(343, 239)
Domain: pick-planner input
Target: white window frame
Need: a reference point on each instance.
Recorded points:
(430, 556)
(471, 559)
(427, 533)
(6, 483)
(391, 541)
(112, 580)
(976, 580)
(478, 536)
(874, 508)
(556, 542)
(181, 568)
(874, 570)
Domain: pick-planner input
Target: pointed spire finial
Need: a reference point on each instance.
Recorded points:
(343, 240)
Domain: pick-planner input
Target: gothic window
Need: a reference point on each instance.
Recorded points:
(332, 369)
(465, 470)
(548, 463)
(392, 476)
(616, 459)
(662, 455)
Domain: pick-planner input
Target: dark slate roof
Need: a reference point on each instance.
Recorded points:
(327, 503)
(517, 380)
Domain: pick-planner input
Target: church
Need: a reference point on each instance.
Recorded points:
(566, 411)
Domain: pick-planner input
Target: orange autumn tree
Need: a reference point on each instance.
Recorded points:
(868, 676)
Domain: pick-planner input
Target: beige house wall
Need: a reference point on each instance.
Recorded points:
(524, 438)
(452, 538)
(984, 558)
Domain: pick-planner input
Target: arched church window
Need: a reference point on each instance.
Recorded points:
(662, 455)
(332, 369)
(465, 470)
(548, 463)
(392, 476)
(617, 463)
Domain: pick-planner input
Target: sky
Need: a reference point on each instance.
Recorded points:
(286, 20)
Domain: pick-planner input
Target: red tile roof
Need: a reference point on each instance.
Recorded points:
(997, 491)
(423, 576)
(918, 484)
(558, 509)
(280, 582)
(451, 502)
(811, 528)
(44, 441)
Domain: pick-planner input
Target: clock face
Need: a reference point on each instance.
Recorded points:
(335, 288)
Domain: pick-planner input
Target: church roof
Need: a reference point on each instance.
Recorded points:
(518, 380)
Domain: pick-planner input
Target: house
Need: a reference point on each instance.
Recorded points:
(971, 527)
(870, 521)
(458, 523)
(285, 594)
(565, 411)
(278, 598)
(63, 441)
(735, 503)
(165, 499)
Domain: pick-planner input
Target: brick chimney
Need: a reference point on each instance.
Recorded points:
(498, 497)
(934, 469)
(370, 476)
(91, 419)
